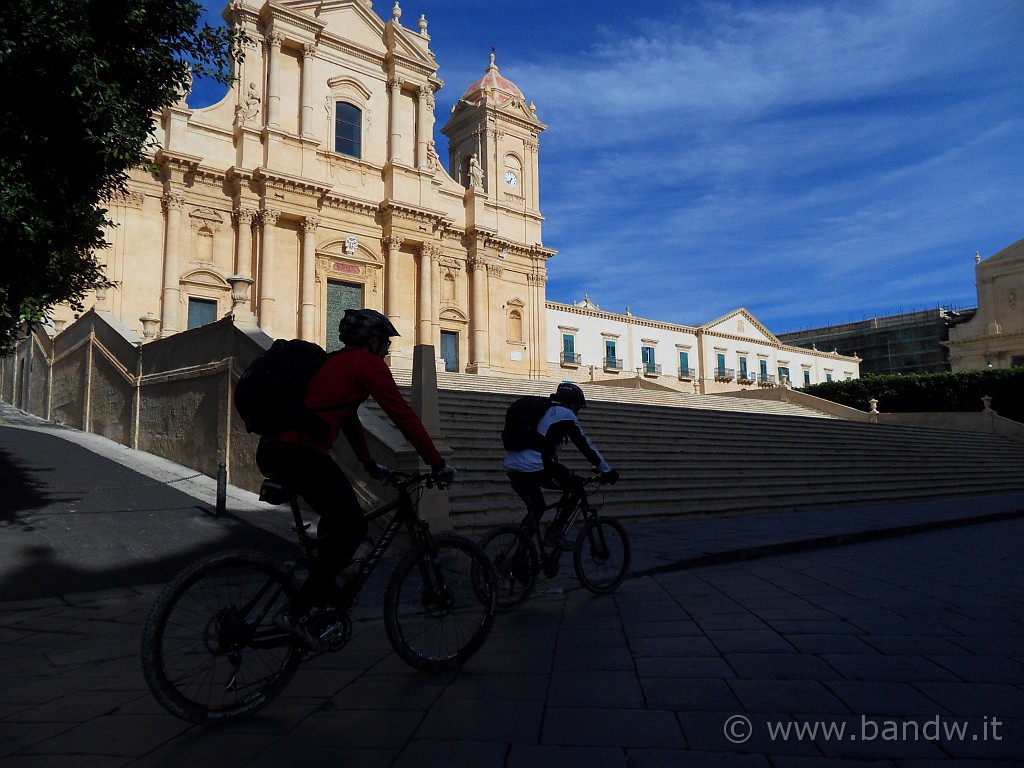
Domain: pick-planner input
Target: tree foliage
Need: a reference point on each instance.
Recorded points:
(931, 392)
(83, 80)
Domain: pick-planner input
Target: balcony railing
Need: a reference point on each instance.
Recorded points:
(765, 380)
(570, 359)
(746, 377)
(652, 369)
(687, 373)
(725, 374)
(612, 364)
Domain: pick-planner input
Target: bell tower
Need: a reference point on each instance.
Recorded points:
(493, 149)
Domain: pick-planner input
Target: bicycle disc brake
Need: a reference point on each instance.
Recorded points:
(333, 630)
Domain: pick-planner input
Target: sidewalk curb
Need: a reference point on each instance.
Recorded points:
(821, 542)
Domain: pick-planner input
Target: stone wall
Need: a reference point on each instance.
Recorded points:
(172, 397)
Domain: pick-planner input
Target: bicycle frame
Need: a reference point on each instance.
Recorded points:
(406, 514)
(549, 559)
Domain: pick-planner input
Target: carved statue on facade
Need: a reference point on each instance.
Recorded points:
(476, 173)
(433, 163)
(248, 110)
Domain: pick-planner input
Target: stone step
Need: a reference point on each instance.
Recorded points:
(684, 454)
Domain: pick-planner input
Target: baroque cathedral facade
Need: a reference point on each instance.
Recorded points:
(314, 186)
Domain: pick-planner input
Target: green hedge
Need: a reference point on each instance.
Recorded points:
(931, 392)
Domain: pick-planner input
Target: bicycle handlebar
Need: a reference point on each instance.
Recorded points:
(404, 480)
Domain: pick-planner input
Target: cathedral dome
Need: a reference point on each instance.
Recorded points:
(493, 86)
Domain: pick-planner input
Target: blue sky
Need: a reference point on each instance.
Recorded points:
(814, 161)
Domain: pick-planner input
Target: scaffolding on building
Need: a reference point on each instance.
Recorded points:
(906, 342)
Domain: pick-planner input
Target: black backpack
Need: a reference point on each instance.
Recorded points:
(270, 395)
(521, 420)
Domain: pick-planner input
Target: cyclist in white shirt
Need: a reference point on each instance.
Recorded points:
(532, 469)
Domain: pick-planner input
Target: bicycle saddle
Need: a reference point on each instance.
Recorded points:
(275, 492)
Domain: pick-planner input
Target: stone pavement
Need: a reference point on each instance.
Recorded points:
(819, 638)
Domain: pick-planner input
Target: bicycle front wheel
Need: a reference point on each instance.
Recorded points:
(513, 557)
(601, 555)
(209, 651)
(439, 604)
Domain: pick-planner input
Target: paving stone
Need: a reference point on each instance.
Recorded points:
(748, 641)
(492, 719)
(547, 755)
(883, 698)
(663, 758)
(604, 690)
(689, 695)
(892, 668)
(786, 696)
(428, 752)
(780, 666)
(612, 727)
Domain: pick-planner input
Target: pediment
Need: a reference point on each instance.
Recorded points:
(1011, 256)
(519, 109)
(352, 20)
(740, 322)
(206, 277)
(348, 83)
(348, 249)
(453, 314)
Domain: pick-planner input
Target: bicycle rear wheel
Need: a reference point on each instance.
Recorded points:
(601, 555)
(209, 651)
(438, 612)
(514, 559)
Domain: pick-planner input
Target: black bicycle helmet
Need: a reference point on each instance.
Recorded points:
(360, 325)
(570, 394)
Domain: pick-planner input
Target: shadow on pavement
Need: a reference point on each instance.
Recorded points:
(72, 521)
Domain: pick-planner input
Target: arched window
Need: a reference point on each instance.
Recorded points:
(515, 325)
(348, 120)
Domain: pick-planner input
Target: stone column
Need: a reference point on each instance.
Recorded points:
(478, 352)
(244, 218)
(268, 218)
(538, 321)
(174, 204)
(308, 282)
(393, 286)
(395, 95)
(424, 107)
(274, 41)
(308, 57)
(428, 254)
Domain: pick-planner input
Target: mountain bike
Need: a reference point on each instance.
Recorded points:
(518, 555)
(211, 654)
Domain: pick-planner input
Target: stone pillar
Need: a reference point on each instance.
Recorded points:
(478, 352)
(244, 218)
(268, 218)
(395, 95)
(538, 328)
(424, 107)
(308, 57)
(274, 41)
(393, 287)
(428, 253)
(174, 204)
(307, 323)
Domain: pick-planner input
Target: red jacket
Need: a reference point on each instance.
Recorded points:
(342, 384)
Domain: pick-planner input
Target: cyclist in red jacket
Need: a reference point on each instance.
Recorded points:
(303, 462)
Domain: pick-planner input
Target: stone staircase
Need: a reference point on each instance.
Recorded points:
(694, 455)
